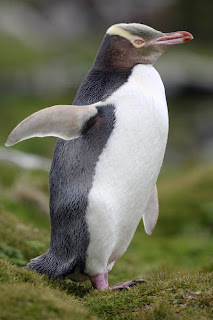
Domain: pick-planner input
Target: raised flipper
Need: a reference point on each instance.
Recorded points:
(62, 121)
(151, 212)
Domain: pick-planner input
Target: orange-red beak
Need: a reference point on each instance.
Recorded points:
(170, 39)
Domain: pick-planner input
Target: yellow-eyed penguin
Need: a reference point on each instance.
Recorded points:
(108, 156)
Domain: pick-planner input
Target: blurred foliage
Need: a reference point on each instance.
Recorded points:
(163, 15)
(12, 254)
(193, 13)
(18, 54)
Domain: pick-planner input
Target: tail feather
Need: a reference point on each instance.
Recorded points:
(49, 265)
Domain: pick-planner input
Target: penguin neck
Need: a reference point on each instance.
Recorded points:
(112, 55)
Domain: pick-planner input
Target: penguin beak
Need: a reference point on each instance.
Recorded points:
(173, 38)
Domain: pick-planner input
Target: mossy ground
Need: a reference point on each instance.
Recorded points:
(176, 261)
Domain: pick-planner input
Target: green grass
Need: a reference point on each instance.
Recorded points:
(176, 261)
(163, 296)
(25, 295)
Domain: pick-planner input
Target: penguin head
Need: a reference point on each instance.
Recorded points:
(134, 43)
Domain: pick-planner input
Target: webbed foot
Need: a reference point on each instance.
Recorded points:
(126, 285)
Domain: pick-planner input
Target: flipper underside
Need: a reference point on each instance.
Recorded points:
(62, 121)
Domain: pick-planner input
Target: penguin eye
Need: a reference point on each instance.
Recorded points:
(138, 43)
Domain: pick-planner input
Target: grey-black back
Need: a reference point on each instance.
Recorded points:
(71, 178)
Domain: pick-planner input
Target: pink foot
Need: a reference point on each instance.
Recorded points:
(100, 281)
(126, 285)
(106, 277)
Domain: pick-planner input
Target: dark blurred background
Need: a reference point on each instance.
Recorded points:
(47, 47)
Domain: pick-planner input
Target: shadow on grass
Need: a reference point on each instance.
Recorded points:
(70, 288)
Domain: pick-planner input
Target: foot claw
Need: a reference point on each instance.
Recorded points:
(126, 285)
(127, 288)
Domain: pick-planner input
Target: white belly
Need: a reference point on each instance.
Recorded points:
(128, 168)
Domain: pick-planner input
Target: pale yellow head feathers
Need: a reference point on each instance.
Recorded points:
(136, 33)
(118, 31)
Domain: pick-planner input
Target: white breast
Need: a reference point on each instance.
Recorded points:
(128, 167)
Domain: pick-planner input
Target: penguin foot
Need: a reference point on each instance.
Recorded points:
(100, 281)
(126, 285)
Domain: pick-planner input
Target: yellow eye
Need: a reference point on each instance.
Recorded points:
(138, 43)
